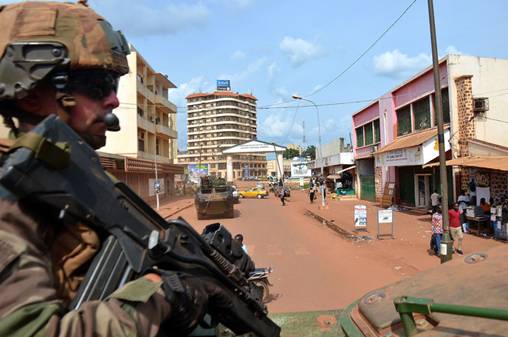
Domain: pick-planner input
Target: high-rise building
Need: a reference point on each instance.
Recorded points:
(217, 121)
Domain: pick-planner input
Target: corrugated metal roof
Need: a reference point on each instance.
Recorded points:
(487, 162)
(410, 140)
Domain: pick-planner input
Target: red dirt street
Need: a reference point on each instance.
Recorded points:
(314, 267)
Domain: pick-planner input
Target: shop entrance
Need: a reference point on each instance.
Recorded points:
(422, 190)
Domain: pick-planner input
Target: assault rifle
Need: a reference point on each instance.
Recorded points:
(53, 167)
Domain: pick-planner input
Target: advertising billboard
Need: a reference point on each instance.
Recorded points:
(300, 168)
(196, 171)
(223, 85)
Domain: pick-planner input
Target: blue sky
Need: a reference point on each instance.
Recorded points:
(274, 49)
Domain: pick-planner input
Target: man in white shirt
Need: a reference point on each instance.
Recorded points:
(463, 201)
(434, 199)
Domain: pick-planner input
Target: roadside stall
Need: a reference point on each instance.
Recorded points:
(341, 183)
(485, 179)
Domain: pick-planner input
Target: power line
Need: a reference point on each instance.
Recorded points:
(361, 55)
(366, 50)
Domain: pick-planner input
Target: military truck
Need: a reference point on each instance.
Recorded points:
(214, 198)
(464, 297)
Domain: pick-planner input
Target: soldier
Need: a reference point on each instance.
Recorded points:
(63, 58)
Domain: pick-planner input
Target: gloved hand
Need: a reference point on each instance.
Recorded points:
(190, 297)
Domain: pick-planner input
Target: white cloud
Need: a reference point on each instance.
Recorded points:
(272, 69)
(238, 55)
(196, 84)
(277, 125)
(452, 50)
(299, 50)
(252, 68)
(241, 4)
(397, 65)
(143, 18)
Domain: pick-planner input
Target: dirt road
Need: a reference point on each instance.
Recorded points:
(315, 268)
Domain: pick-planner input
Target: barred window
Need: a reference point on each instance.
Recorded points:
(404, 121)
(359, 136)
(421, 111)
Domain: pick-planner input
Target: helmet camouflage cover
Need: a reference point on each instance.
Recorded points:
(39, 37)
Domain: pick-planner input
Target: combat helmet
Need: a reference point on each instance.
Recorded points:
(38, 39)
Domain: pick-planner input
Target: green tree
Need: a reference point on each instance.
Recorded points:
(310, 151)
(291, 153)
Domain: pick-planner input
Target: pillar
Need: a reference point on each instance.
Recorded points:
(280, 165)
(229, 168)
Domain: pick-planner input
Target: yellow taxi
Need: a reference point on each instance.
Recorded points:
(254, 192)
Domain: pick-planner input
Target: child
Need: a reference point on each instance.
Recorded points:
(437, 231)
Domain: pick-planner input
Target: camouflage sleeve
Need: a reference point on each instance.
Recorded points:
(29, 305)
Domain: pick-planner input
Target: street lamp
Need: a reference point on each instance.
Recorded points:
(322, 187)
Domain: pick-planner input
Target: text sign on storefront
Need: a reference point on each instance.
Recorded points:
(401, 157)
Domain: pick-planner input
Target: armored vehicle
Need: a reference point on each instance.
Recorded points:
(464, 297)
(214, 198)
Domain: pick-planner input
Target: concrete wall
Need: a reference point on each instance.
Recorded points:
(489, 77)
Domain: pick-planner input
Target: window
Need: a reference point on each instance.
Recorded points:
(140, 112)
(359, 136)
(404, 121)
(377, 131)
(446, 105)
(421, 111)
(369, 135)
(141, 141)
(157, 146)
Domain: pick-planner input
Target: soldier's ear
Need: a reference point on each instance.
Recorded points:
(41, 101)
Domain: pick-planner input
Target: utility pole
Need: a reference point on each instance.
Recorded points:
(303, 137)
(322, 186)
(446, 243)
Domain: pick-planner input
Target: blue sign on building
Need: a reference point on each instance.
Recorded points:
(223, 85)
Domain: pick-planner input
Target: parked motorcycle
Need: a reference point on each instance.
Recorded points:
(259, 278)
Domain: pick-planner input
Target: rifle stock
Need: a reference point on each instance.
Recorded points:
(80, 188)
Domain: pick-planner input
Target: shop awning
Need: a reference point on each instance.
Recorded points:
(415, 149)
(337, 176)
(411, 140)
(486, 162)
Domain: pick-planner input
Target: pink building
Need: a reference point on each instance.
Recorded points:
(395, 137)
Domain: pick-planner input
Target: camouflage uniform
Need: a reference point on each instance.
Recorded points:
(30, 304)
(42, 260)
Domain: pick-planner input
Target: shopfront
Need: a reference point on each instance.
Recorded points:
(408, 154)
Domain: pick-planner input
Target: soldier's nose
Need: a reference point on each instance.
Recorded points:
(111, 101)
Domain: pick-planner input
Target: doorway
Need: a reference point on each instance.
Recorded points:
(422, 190)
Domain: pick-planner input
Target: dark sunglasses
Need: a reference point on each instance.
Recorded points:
(94, 83)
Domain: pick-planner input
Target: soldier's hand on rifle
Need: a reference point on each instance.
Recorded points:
(190, 298)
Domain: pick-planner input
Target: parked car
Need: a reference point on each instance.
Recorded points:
(254, 193)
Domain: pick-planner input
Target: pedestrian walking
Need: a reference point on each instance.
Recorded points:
(434, 200)
(437, 231)
(312, 193)
(463, 201)
(455, 227)
(282, 196)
